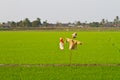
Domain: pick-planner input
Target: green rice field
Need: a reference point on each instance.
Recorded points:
(35, 47)
(60, 73)
(43, 48)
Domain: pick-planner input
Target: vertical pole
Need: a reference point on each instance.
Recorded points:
(70, 57)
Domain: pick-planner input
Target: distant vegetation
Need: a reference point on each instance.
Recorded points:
(37, 23)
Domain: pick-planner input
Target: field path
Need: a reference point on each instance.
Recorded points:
(52, 65)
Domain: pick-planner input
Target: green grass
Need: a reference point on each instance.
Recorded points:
(32, 47)
(60, 73)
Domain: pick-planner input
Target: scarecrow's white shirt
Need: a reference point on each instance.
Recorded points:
(61, 45)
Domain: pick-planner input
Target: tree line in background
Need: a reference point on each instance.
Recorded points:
(37, 23)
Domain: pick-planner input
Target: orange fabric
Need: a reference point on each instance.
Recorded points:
(61, 40)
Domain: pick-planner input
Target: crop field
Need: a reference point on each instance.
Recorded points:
(35, 47)
(60, 73)
(43, 48)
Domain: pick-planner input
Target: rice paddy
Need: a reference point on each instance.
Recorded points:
(35, 47)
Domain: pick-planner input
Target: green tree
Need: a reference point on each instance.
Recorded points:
(59, 24)
(103, 21)
(117, 18)
(45, 23)
(27, 23)
(20, 24)
(95, 24)
(36, 23)
(39, 21)
(78, 23)
(0, 24)
(117, 21)
(13, 24)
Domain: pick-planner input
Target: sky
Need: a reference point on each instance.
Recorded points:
(59, 10)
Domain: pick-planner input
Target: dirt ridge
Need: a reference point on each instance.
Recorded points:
(52, 65)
